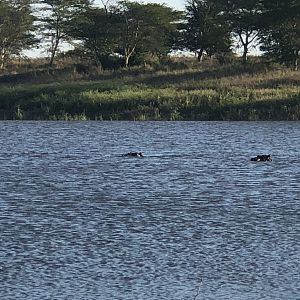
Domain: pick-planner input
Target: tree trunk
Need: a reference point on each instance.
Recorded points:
(2, 64)
(126, 61)
(200, 55)
(2, 59)
(57, 38)
(128, 53)
(245, 44)
(296, 60)
(53, 52)
(245, 54)
(98, 61)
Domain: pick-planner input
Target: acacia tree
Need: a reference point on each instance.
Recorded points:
(97, 31)
(147, 27)
(16, 27)
(205, 29)
(244, 17)
(131, 19)
(159, 28)
(280, 34)
(56, 18)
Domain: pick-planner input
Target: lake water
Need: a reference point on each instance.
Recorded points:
(193, 219)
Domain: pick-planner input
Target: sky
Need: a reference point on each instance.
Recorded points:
(177, 4)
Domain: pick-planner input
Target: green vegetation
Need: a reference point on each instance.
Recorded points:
(16, 27)
(206, 92)
(115, 34)
(121, 68)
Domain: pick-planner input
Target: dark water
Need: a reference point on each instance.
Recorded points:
(78, 221)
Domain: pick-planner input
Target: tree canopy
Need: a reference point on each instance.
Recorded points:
(280, 35)
(131, 31)
(125, 29)
(205, 28)
(55, 20)
(16, 28)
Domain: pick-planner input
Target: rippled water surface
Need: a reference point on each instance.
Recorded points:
(193, 219)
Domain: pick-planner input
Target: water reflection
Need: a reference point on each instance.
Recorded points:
(78, 221)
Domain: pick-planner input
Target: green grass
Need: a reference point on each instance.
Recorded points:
(254, 92)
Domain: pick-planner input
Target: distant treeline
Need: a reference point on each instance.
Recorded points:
(124, 33)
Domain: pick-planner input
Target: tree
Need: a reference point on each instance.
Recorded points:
(56, 19)
(280, 34)
(159, 28)
(147, 27)
(244, 17)
(205, 29)
(97, 30)
(16, 26)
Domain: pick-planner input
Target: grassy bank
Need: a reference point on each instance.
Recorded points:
(254, 92)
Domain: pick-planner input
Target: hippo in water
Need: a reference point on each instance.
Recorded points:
(262, 158)
(134, 154)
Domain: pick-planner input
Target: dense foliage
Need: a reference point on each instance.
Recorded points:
(123, 33)
(55, 16)
(16, 28)
(206, 29)
(280, 35)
